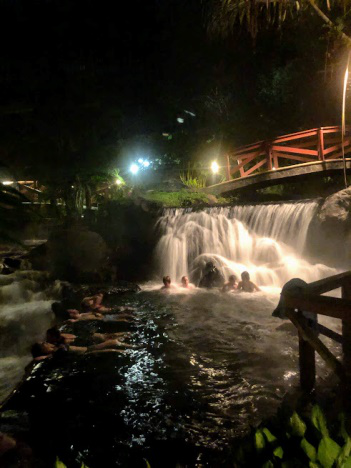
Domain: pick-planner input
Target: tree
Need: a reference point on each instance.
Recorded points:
(223, 16)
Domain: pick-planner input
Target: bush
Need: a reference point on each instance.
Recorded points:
(297, 443)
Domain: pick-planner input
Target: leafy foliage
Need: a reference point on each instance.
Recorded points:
(192, 178)
(297, 442)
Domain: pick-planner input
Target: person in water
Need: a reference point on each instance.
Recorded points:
(167, 283)
(246, 284)
(231, 285)
(56, 337)
(94, 304)
(185, 283)
(46, 350)
(212, 278)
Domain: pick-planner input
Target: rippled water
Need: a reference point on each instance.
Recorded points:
(207, 367)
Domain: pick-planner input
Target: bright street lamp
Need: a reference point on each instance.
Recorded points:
(134, 168)
(215, 167)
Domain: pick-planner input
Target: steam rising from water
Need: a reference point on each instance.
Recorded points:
(266, 240)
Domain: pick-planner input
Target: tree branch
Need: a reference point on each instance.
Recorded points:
(328, 21)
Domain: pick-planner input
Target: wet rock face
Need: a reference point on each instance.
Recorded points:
(75, 253)
(336, 208)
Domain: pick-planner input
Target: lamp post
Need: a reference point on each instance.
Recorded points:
(346, 77)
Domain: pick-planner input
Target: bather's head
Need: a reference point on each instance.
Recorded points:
(42, 349)
(232, 279)
(245, 276)
(185, 281)
(167, 281)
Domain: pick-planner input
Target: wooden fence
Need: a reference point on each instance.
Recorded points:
(297, 302)
(317, 144)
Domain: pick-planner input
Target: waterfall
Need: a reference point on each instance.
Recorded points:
(266, 240)
(25, 315)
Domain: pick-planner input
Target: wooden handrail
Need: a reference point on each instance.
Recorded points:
(300, 304)
(316, 144)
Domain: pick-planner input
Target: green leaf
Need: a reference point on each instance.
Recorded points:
(259, 440)
(279, 452)
(147, 463)
(59, 464)
(347, 463)
(269, 436)
(319, 421)
(83, 465)
(268, 464)
(314, 465)
(309, 450)
(343, 433)
(344, 453)
(297, 425)
(328, 451)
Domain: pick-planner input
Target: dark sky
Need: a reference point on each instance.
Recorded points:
(147, 62)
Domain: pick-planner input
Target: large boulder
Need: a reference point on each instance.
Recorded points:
(336, 208)
(76, 254)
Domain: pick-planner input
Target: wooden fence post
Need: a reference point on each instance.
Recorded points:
(307, 361)
(228, 167)
(320, 138)
(268, 150)
(346, 334)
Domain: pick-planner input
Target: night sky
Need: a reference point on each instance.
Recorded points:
(69, 69)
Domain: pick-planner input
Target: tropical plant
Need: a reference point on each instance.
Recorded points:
(301, 442)
(224, 16)
(193, 178)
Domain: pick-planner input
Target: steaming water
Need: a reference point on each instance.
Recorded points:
(266, 240)
(25, 314)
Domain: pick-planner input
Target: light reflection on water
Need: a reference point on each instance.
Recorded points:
(213, 364)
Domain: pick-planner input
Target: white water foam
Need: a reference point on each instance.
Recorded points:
(266, 240)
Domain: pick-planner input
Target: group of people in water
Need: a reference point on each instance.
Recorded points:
(212, 278)
(57, 342)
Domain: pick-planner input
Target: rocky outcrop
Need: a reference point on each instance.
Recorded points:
(336, 208)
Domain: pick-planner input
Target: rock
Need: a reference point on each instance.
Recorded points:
(211, 199)
(336, 208)
(76, 254)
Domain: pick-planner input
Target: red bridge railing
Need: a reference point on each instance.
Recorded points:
(317, 144)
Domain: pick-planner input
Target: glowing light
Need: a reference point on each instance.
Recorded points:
(180, 120)
(146, 163)
(118, 181)
(214, 167)
(7, 182)
(140, 161)
(273, 168)
(134, 168)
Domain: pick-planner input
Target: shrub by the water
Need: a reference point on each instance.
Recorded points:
(297, 442)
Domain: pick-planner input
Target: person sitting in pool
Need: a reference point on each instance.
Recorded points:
(231, 285)
(56, 337)
(167, 283)
(246, 284)
(94, 304)
(212, 277)
(185, 283)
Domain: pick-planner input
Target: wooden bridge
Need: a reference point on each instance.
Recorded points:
(287, 157)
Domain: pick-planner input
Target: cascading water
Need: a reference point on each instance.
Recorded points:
(266, 240)
(25, 314)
